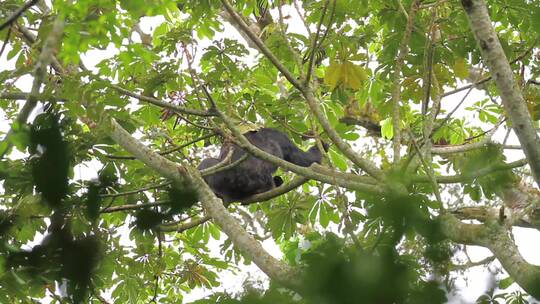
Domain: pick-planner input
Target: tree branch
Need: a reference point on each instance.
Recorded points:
(160, 103)
(136, 190)
(166, 151)
(510, 217)
(222, 166)
(396, 87)
(256, 198)
(260, 45)
(499, 241)
(211, 204)
(473, 264)
(314, 41)
(132, 206)
(17, 14)
(40, 70)
(465, 147)
(460, 178)
(244, 143)
(308, 94)
(512, 99)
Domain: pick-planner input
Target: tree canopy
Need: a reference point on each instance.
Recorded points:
(422, 103)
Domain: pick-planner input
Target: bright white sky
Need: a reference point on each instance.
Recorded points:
(470, 286)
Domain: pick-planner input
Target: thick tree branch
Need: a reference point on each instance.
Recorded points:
(309, 95)
(510, 217)
(260, 45)
(499, 241)
(257, 198)
(512, 99)
(212, 205)
(244, 143)
(275, 269)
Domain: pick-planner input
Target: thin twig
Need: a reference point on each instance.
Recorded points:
(136, 190)
(219, 168)
(445, 120)
(429, 171)
(473, 264)
(160, 103)
(297, 7)
(133, 206)
(314, 42)
(282, 30)
(166, 151)
(460, 178)
(488, 78)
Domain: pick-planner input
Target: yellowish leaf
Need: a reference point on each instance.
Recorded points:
(461, 69)
(353, 75)
(332, 75)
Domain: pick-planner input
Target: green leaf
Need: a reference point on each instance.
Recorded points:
(338, 160)
(387, 128)
(505, 283)
(535, 18)
(324, 218)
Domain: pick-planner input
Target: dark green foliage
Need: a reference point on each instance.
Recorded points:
(106, 178)
(337, 274)
(254, 296)
(438, 253)
(491, 158)
(60, 256)
(51, 160)
(181, 198)
(93, 201)
(148, 219)
(406, 214)
(6, 222)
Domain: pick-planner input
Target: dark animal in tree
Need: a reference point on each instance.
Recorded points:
(254, 175)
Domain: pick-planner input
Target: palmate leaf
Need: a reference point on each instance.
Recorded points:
(346, 73)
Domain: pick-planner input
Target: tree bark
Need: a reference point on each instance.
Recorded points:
(512, 99)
